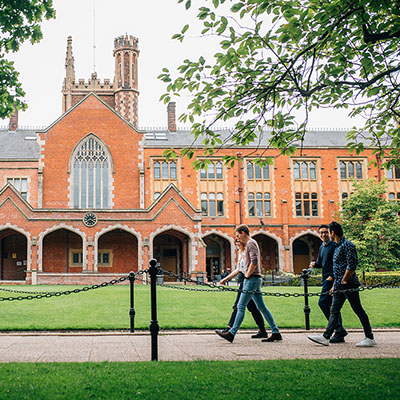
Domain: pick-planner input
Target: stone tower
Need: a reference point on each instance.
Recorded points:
(126, 77)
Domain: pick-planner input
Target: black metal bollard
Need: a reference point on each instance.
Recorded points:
(154, 328)
(132, 298)
(273, 277)
(304, 275)
(363, 274)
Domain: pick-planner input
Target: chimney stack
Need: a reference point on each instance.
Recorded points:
(171, 117)
(13, 120)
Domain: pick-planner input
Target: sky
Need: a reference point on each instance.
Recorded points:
(93, 24)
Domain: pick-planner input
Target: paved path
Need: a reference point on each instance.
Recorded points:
(183, 346)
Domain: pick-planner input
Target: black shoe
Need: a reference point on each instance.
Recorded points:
(275, 337)
(260, 335)
(337, 339)
(222, 330)
(225, 335)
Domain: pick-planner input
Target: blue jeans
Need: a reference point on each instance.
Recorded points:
(253, 284)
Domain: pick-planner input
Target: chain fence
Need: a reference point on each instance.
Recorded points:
(46, 295)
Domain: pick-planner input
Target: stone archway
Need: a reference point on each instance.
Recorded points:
(62, 252)
(171, 249)
(14, 255)
(304, 250)
(117, 252)
(269, 252)
(218, 256)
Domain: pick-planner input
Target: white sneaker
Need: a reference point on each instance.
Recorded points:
(320, 339)
(366, 342)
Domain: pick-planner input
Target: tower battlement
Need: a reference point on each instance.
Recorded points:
(93, 83)
(126, 41)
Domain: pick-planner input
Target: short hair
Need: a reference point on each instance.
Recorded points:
(323, 226)
(336, 228)
(243, 228)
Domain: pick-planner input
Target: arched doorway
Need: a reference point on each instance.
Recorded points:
(305, 250)
(269, 253)
(171, 249)
(13, 250)
(62, 252)
(218, 256)
(117, 251)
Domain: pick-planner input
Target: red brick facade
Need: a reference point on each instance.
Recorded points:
(142, 211)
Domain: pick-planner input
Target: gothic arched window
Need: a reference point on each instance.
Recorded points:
(91, 174)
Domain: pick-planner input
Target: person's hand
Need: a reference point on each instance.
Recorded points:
(312, 264)
(329, 278)
(331, 291)
(343, 282)
(222, 281)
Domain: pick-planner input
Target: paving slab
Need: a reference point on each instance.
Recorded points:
(184, 346)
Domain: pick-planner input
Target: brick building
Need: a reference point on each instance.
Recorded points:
(91, 196)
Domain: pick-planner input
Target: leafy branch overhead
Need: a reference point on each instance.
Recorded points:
(19, 21)
(279, 59)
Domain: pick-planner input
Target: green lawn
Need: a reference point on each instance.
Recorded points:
(287, 379)
(108, 308)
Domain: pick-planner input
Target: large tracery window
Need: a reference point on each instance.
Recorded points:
(91, 165)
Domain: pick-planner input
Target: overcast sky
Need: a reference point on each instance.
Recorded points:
(42, 66)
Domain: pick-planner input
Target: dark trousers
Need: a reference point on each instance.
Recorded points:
(251, 306)
(325, 302)
(355, 303)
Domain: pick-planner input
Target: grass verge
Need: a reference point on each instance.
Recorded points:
(296, 379)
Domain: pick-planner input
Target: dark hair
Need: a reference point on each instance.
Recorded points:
(336, 228)
(243, 228)
(323, 226)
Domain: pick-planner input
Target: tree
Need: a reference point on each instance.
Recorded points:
(372, 223)
(280, 56)
(19, 21)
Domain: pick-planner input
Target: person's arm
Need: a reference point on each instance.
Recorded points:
(250, 271)
(253, 254)
(352, 261)
(229, 277)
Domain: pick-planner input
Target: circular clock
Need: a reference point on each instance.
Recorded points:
(90, 219)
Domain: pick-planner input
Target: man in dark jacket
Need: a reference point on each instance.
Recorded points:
(325, 261)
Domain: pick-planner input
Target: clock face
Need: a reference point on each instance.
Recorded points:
(90, 219)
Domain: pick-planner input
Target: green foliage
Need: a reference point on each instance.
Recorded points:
(278, 56)
(19, 21)
(371, 222)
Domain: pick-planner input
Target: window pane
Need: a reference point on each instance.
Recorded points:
(75, 258)
(313, 173)
(76, 184)
(391, 196)
(105, 184)
(298, 195)
(98, 184)
(345, 195)
(306, 195)
(397, 172)
(266, 171)
(306, 208)
(343, 173)
(267, 207)
(24, 185)
(250, 174)
(157, 172)
(259, 208)
(219, 170)
(106, 258)
(165, 170)
(389, 173)
(251, 196)
(203, 173)
(358, 170)
(251, 208)
(314, 195)
(296, 170)
(211, 196)
(83, 185)
(257, 171)
(267, 196)
(156, 195)
(173, 170)
(350, 168)
(91, 185)
(211, 171)
(315, 208)
(212, 208)
(204, 208)
(220, 208)
(304, 170)
(258, 196)
(298, 208)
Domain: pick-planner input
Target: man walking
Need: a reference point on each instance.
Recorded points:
(325, 261)
(251, 284)
(344, 266)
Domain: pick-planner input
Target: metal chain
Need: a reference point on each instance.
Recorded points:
(41, 295)
(213, 286)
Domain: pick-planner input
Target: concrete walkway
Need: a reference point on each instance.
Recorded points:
(183, 346)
